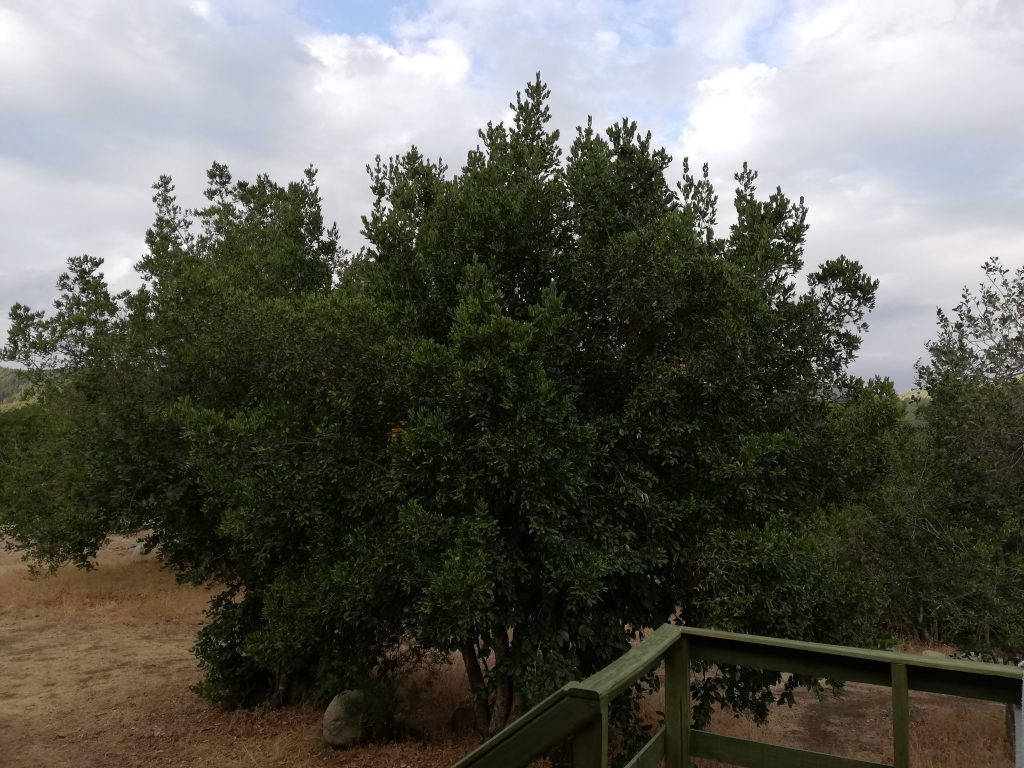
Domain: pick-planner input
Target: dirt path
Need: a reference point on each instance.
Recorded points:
(71, 684)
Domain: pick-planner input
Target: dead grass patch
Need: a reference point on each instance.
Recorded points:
(945, 731)
(96, 668)
(126, 589)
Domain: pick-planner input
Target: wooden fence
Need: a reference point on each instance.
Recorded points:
(578, 712)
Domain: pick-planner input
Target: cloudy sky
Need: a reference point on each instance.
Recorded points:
(900, 121)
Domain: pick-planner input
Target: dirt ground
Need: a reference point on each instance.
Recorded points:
(95, 671)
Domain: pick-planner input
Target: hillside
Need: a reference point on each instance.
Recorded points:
(914, 399)
(12, 382)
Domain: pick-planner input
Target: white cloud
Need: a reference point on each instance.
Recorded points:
(899, 121)
(730, 110)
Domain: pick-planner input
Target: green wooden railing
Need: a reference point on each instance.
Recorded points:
(578, 712)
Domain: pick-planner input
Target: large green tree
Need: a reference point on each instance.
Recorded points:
(546, 407)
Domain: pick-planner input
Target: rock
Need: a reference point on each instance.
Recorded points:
(343, 720)
(140, 549)
(930, 654)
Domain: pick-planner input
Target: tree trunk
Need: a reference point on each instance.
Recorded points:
(518, 704)
(503, 693)
(477, 684)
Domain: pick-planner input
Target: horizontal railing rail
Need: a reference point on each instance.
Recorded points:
(975, 680)
(578, 712)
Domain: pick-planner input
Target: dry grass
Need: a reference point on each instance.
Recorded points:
(95, 669)
(945, 732)
(126, 590)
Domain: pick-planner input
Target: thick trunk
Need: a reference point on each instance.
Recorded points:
(502, 706)
(518, 705)
(518, 702)
(477, 684)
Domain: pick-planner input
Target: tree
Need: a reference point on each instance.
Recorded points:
(974, 440)
(686, 386)
(522, 424)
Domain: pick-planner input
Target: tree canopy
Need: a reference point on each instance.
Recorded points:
(549, 405)
(970, 511)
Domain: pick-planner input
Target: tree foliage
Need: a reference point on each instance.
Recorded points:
(546, 407)
(967, 517)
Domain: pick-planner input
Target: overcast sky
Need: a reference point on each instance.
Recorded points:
(900, 121)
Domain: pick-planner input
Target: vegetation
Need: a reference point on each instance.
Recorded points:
(548, 406)
(966, 520)
(12, 383)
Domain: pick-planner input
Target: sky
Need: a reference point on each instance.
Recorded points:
(900, 122)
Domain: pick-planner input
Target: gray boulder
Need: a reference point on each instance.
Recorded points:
(344, 719)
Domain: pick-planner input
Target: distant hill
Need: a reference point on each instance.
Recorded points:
(914, 392)
(914, 399)
(12, 382)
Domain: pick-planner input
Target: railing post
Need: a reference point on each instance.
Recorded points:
(900, 717)
(590, 746)
(1018, 735)
(678, 715)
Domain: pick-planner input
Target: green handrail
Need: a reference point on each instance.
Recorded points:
(578, 712)
(568, 711)
(609, 682)
(549, 724)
